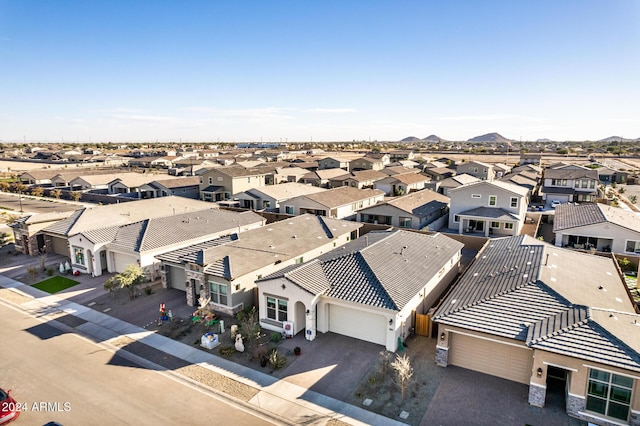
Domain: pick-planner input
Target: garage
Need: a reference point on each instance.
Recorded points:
(59, 246)
(491, 357)
(121, 261)
(358, 324)
(176, 278)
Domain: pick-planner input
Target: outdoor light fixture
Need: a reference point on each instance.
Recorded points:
(391, 321)
(308, 311)
(539, 372)
(441, 336)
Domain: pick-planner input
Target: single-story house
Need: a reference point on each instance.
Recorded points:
(270, 197)
(338, 203)
(597, 226)
(414, 211)
(446, 185)
(368, 289)
(557, 320)
(226, 270)
(402, 184)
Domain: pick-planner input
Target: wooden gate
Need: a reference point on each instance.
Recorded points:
(422, 325)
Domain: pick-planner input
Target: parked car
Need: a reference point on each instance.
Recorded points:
(555, 203)
(9, 408)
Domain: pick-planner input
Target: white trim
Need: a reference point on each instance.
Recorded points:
(559, 366)
(576, 396)
(489, 201)
(442, 348)
(540, 386)
(611, 371)
(608, 420)
(487, 338)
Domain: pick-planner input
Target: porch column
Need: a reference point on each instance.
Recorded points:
(460, 226)
(310, 323)
(487, 225)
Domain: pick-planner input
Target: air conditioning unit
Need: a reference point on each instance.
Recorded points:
(288, 328)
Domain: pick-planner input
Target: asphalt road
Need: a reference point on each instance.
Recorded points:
(33, 205)
(62, 377)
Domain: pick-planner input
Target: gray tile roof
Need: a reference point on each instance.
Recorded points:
(552, 298)
(194, 253)
(96, 217)
(570, 215)
(570, 173)
(419, 203)
(490, 212)
(151, 234)
(342, 196)
(261, 247)
(383, 269)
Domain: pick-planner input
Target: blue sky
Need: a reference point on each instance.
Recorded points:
(105, 70)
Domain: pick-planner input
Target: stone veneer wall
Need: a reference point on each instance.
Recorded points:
(576, 408)
(537, 394)
(634, 420)
(198, 277)
(442, 356)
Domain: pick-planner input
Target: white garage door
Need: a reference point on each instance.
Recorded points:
(491, 357)
(358, 324)
(176, 278)
(121, 261)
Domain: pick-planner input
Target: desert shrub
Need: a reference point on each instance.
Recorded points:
(275, 337)
(148, 290)
(49, 272)
(226, 351)
(277, 359)
(260, 353)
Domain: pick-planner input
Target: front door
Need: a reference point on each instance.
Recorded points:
(556, 388)
(103, 261)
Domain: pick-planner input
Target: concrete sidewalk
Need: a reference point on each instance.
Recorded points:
(284, 402)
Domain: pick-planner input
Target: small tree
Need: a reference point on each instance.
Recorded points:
(76, 195)
(4, 186)
(404, 370)
(37, 191)
(633, 199)
(57, 193)
(33, 273)
(250, 327)
(624, 263)
(129, 279)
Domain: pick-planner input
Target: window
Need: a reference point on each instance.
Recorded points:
(266, 204)
(476, 196)
(276, 309)
(249, 179)
(609, 394)
(493, 200)
(632, 246)
(405, 222)
(508, 226)
(514, 202)
(288, 209)
(456, 218)
(220, 179)
(300, 260)
(218, 292)
(210, 180)
(78, 255)
(495, 225)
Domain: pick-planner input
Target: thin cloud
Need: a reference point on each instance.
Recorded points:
(333, 110)
(252, 114)
(487, 117)
(147, 118)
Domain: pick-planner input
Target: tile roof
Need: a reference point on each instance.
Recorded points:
(516, 189)
(96, 217)
(177, 182)
(570, 215)
(524, 289)
(490, 212)
(151, 234)
(383, 269)
(342, 196)
(570, 173)
(419, 203)
(285, 191)
(399, 170)
(278, 241)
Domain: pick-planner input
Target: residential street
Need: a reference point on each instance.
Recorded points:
(65, 378)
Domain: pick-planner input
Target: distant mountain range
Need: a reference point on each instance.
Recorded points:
(618, 139)
(498, 138)
(490, 137)
(430, 138)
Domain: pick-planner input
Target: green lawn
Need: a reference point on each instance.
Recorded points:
(55, 284)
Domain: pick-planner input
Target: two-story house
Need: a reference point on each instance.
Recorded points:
(402, 184)
(488, 207)
(366, 163)
(337, 162)
(482, 171)
(270, 197)
(570, 183)
(220, 183)
(358, 179)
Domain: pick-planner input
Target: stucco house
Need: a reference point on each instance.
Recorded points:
(358, 179)
(366, 163)
(479, 169)
(226, 269)
(56, 235)
(338, 203)
(26, 231)
(269, 198)
(321, 177)
(488, 207)
(220, 183)
(570, 183)
(188, 187)
(367, 289)
(113, 248)
(446, 185)
(414, 211)
(597, 226)
(402, 184)
(520, 313)
(337, 162)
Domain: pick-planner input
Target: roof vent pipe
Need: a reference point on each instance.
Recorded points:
(546, 261)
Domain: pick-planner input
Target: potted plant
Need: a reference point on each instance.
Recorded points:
(297, 350)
